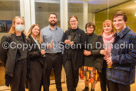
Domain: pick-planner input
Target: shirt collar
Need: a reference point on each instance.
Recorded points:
(51, 29)
(123, 32)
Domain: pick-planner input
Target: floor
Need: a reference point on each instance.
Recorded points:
(52, 87)
(79, 88)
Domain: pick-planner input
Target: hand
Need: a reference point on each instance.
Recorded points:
(109, 61)
(87, 53)
(50, 45)
(43, 52)
(67, 41)
(103, 52)
(71, 42)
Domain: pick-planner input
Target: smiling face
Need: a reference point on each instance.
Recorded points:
(35, 31)
(73, 22)
(90, 29)
(119, 23)
(107, 27)
(52, 20)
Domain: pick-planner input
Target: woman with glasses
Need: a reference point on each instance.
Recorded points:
(74, 39)
(88, 70)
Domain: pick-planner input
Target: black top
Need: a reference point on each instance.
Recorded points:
(9, 55)
(20, 50)
(34, 53)
(75, 52)
(91, 40)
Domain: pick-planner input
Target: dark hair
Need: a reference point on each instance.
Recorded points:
(121, 13)
(53, 14)
(89, 24)
(74, 17)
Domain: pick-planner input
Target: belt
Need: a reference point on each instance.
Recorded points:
(53, 54)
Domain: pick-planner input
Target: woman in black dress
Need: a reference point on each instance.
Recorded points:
(74, 39)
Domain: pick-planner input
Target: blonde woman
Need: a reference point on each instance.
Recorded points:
(35, 62)
(14, 55)
(106, 38)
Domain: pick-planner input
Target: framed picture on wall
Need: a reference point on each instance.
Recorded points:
(5, 25)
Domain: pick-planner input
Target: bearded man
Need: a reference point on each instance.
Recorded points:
(51, 37)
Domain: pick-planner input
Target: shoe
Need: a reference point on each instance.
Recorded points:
(86, 89)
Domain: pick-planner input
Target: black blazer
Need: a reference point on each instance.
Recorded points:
(99, 62)
(9, 55)
(76, 54)
(34, 53)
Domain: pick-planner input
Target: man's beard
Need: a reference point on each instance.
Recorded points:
(53, 24)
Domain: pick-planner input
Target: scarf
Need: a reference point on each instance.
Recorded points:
(108, 40)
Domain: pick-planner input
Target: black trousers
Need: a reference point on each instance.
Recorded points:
(103, 80)
(118, 87)
(19, 76)
(53, 62)
(36, 72)
(71, 75)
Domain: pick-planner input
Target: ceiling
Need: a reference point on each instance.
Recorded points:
(73, 6)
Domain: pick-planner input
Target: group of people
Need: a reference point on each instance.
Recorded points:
(80, 53)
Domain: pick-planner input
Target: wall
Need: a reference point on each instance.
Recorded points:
(8, 15)
(42, 18)
(101, 16)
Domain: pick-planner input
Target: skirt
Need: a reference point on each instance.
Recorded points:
(89, 74)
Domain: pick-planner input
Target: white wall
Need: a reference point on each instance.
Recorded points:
(42, 17)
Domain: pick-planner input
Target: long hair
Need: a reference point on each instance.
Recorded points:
(108, 22)
(12, 28)
(30, 32)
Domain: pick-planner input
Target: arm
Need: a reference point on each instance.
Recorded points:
(98, 46)
(65, 35)
(129, 56)
(80, 44)
(32, 52)
(3, 50)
